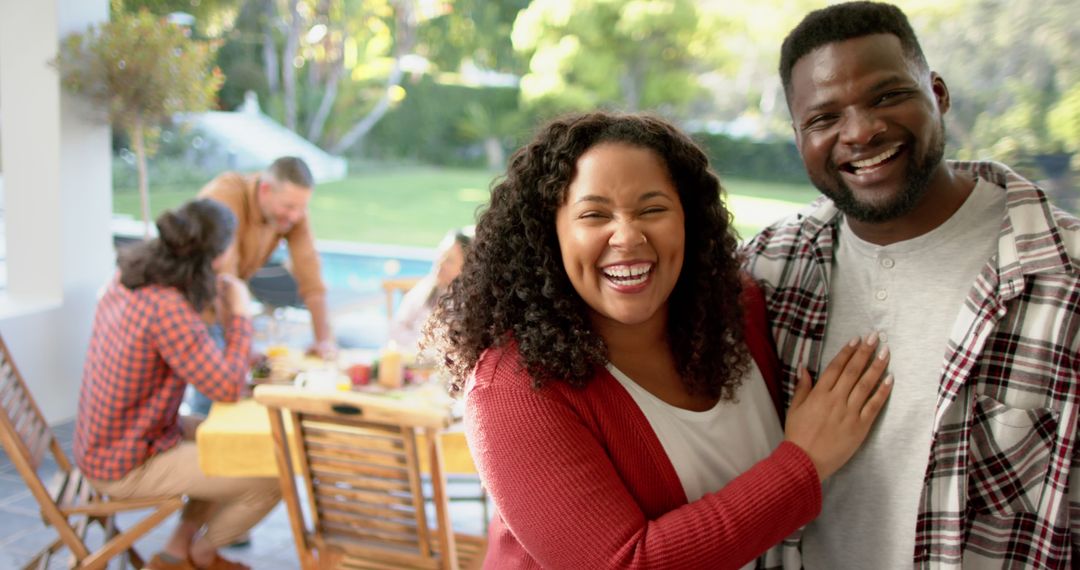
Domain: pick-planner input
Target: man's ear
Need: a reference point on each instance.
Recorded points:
(941, 92)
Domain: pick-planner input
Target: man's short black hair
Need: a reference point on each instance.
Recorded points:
(845, 21)
(293, 170)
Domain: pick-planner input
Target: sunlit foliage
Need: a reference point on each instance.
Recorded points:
(139, 71)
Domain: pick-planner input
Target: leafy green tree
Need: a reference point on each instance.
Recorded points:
(476, 31)
(1064, 120)
(241, 57)
(387, 43)
(353, 53)
(328, 51)
(631, 54)
(405, 18)
(212, 16)
(492, 129)
(1008, 64)
(139, 71)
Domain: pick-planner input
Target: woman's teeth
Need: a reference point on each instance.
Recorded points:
(628, 274)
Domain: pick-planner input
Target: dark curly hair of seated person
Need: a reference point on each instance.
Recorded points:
(189, 238)
(513, 286)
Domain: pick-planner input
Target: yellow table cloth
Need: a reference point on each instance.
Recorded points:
(235, 441)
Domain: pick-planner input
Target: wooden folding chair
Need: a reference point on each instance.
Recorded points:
(393, 288)
(70, 504)
(357, 455)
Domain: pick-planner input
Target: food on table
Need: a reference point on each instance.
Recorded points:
(277, 351)
(261, 369)
(359, 374)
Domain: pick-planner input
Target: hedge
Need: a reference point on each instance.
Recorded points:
(774, 161)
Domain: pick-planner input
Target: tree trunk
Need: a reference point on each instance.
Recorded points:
(496, 155)
(404, 42)
(140, 165)
(358, 131)
(288, 64)
(318, 122)
(632, 84)
(269, 49)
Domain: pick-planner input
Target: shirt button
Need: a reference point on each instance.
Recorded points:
(887, 262)
(881, 295)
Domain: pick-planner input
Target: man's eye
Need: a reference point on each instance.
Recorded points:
(819, 121)
(891, 97)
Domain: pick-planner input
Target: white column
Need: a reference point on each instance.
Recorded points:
(57, 200)
(31, 146)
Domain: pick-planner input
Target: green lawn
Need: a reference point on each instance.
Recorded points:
(417, 205)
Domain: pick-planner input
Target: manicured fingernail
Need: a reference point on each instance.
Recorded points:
(872, 338)
(854, 342)
(889, 379)
(884, 352)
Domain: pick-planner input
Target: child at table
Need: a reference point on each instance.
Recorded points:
(417, 304)
(148, 343)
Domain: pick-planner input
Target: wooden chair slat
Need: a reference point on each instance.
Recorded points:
(350, 563)
(364, 556)
(361, 470)
(8, 382)
(375, 497)
(362, 455)
(388, 512)
(418, 494)
(73, 489)
(22, 416)
(335, 532)
(34, 432)
(343, 470)
(343, 477)
(362, 524)
(396, 285)
(330, 426)
(40, 442)
(331, 440)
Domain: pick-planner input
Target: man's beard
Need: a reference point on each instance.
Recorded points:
(918, 176)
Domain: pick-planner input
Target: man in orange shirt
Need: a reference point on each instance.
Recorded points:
(269, 206)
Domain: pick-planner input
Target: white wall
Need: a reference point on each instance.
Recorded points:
(57, 201)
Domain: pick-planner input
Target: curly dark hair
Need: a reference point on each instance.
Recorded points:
(846, 21)
(189, 238)
(513, 286)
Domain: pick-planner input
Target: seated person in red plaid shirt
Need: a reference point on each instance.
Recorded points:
(148, 343)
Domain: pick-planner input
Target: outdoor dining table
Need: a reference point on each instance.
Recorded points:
(235, 438)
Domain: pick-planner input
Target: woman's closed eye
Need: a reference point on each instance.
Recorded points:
(593, 214)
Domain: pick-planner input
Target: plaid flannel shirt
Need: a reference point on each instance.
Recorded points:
(146, 346)
(996, 492)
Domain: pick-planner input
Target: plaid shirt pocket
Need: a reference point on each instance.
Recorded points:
(1011, 450)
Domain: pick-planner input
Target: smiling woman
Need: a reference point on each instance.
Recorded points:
(621, 197)
(617, 373)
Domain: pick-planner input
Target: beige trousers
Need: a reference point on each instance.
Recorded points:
(228, 506)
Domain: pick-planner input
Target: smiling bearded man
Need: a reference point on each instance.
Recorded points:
(971, 277)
